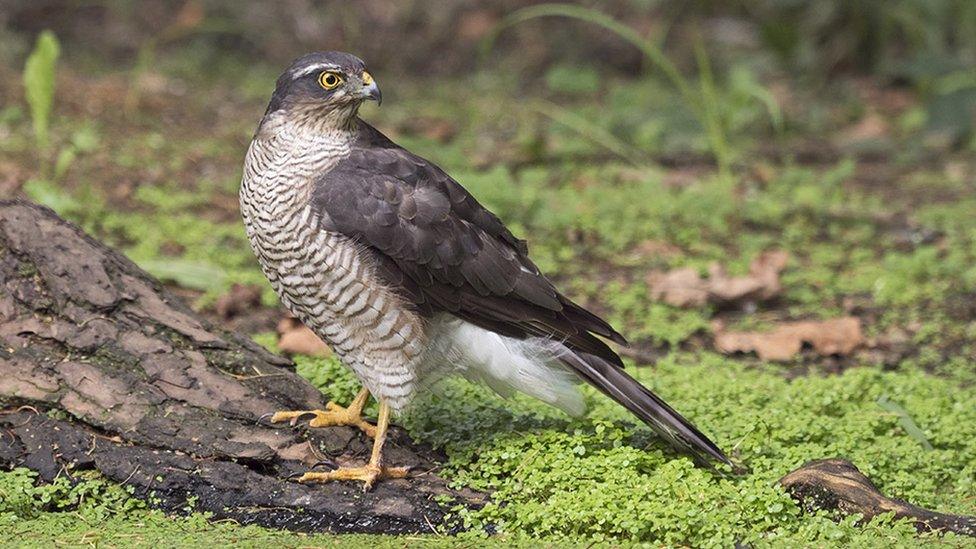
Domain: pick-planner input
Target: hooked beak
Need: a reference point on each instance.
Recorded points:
(371, 90)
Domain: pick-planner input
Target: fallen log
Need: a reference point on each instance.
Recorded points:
(102, 368)
(837, 485)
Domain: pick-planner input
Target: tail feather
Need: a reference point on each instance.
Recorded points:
(639, 400)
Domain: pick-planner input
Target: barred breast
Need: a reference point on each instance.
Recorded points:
(324, 278)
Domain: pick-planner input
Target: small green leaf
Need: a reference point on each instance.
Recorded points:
(47, 193)
(905, 420)
(573, 80)
(66, 157)
(195, 275)
(39, 76)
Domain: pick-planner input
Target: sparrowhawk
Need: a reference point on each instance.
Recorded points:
(406, 276)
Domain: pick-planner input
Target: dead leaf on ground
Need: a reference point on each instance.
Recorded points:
(870, 128)
(294, 338)
(239, 299)
(838, 336)
(684, 287)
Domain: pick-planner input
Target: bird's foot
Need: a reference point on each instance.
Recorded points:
(333, 415)
(369, 474)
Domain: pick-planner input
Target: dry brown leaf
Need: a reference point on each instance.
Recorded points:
(684, 287)
(679, 287)
(239, 299)
(870, 128)
(838, 336)
(295, 338)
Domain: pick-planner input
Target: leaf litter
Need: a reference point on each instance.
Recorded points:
(295, 338)
(839, 336)
(685, 287)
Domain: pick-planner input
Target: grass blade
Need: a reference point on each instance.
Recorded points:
(905, 420)
(39, 78)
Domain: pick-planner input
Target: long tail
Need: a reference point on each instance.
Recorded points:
(615, 383)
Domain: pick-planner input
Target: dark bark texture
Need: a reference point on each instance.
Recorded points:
(101, 367)
(837, 485)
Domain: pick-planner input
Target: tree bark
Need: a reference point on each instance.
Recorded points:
(101, 367)
(837, 485)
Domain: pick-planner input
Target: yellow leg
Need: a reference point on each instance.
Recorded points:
(373, 470)
(333, 415)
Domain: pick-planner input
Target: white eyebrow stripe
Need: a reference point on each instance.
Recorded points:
(313, 68)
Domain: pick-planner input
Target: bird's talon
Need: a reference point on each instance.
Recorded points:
(333, 415)
(368, 474)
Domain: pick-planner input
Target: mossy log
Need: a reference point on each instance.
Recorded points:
(837, 485)
(102, 368)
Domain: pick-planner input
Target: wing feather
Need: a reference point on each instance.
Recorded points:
(446, 250)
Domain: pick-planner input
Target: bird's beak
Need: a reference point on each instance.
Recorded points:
(371, 90)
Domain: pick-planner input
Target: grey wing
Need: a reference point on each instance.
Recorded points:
(446, 252)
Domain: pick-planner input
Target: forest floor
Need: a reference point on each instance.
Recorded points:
(815, 300)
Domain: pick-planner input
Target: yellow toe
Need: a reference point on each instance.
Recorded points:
(368, 474)
(333, 415)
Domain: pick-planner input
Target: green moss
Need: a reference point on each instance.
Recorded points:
(660, 323)
(601, 478)
(329, 375)
(90, 496)
(26, 269)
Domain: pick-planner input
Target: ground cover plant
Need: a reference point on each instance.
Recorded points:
(611, 178)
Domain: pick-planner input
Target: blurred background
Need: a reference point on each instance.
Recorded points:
(751, 191)
(621, 137)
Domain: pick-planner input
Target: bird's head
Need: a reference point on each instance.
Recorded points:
(324, 88)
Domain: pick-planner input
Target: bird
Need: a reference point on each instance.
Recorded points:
(407, 276)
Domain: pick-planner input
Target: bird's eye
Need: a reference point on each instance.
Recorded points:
(329, 80)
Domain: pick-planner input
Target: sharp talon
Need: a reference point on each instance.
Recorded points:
(396, 472)
(278, 417)
(351, 416)
(307, 477)
(333, 415)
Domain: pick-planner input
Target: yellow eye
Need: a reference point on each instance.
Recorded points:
(329, 80)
